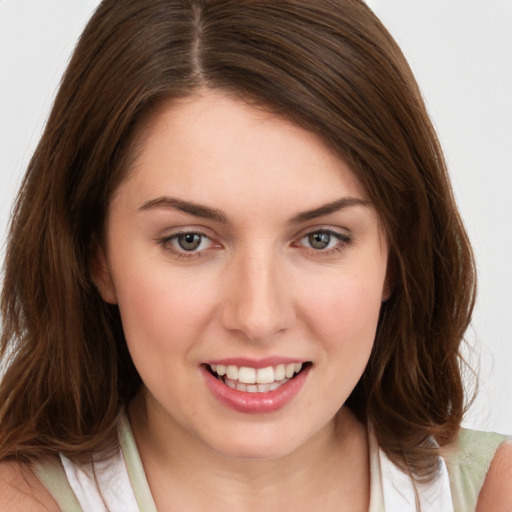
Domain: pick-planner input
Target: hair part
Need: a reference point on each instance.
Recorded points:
(328, 66)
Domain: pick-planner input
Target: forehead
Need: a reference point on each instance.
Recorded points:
(210, 145)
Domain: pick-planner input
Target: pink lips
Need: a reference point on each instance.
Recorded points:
(255, 403)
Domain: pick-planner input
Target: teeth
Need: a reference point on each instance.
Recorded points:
(247, 375)
(279, 372)
(289, 370)
(265, 375)
(254, 380)
(232, 372)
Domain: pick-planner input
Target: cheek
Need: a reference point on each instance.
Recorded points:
(342, 318)
(161, 309)
(344, 307)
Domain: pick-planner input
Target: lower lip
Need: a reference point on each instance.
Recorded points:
(256, 403)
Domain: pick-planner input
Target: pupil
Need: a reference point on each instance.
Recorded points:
(319, 240)
(189, 241)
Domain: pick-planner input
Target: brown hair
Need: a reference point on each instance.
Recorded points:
(327, 65)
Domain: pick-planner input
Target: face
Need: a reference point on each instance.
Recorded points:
(249, 270)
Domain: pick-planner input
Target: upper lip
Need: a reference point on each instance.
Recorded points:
(255, 363)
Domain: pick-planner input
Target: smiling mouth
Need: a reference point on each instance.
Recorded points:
(256, 380)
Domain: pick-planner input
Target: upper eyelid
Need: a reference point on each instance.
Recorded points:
(177, 231)
(342, 232)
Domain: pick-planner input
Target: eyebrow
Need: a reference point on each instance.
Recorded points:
(205, 212)
(171, 203)
(329, 208)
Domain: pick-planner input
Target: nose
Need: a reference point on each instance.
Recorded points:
(259, 301)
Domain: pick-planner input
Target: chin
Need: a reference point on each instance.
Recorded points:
(259, 444)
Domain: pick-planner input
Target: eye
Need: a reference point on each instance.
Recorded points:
(187, 244)
(325, 241)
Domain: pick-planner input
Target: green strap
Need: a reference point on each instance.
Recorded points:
(53, 477)
(134, 467)
(468, 465)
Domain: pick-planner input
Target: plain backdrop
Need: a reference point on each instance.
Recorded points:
(461, 54)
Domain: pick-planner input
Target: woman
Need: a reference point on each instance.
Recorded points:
(236, 257)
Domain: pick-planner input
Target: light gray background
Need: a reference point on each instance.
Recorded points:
(461, 53)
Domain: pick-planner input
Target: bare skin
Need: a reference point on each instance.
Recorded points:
(254, 191)
(296, 270)
(496, 493)
(335, 477)
(21, 490)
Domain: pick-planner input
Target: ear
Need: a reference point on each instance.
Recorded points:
(101, 275)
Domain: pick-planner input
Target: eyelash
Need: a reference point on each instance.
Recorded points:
(343, 239)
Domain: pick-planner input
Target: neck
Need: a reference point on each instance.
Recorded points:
(327, 471)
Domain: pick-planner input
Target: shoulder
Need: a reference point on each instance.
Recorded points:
(468, 461)
(496, 493)
(21, 490)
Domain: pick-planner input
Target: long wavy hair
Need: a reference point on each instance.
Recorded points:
(327, 65)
